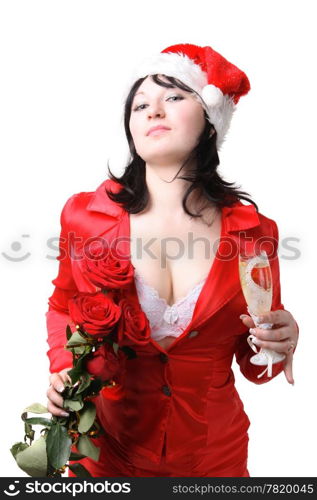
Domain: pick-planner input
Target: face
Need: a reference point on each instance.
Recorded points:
(178, 111)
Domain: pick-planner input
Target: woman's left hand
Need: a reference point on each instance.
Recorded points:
(283, 336)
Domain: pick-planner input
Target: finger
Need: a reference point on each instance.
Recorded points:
(54, 397)
(274, 335)
(288, 368)
(247, 320)
(55, 410)
(280, 316)
(282, 346)
(65, 377)
(57, 382)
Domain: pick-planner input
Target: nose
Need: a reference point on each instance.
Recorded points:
(156, 110)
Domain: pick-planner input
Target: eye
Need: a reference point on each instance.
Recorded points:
(176, 97)
(139, 107)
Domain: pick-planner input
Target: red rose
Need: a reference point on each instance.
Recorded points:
(95, 313)
(134, 325)
(103, 363)
(103, 267)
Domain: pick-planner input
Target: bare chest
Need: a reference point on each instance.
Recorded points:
(173, 257)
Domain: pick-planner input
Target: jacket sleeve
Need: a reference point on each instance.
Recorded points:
(243, 351)
(57, 316)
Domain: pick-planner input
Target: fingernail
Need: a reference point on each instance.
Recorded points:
(60, 388)
(252, 330)
(256, 341)
(243, 316)
(64, 414)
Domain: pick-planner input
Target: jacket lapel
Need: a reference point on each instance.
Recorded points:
(101, 216)
(100, 202)
(223, 281)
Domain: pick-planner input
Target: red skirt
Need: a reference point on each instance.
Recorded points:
(114, 462)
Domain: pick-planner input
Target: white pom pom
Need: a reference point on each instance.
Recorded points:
(212, 95)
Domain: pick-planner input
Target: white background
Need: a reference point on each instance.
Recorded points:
(64, 67)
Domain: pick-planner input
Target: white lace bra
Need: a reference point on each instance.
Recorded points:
(166, 320)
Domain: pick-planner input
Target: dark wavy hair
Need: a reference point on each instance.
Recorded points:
(134, 195)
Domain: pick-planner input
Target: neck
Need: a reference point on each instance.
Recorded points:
(166, 193)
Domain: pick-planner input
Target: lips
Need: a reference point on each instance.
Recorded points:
(157, 128)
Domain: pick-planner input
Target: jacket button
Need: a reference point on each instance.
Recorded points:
(163, 357)
(193, 334)
(166, 390)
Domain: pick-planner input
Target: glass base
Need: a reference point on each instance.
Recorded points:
(261, 359)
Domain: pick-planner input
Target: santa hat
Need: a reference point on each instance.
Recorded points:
(218, 82)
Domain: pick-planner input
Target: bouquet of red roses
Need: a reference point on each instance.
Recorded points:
(107, 324)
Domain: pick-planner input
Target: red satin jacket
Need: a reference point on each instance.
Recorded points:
(185, 397)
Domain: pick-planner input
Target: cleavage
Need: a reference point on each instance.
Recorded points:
(140, 278)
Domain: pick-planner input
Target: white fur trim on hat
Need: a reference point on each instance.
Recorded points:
(177, 65)
(220, 116)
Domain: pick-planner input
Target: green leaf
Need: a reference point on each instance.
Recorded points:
(76, 456)
(87, 416)
(17, 448)
(85, 381)
(76, 372)
(115, 347)
(33, 460)
(27, 427)
(87, 447)
(76, 338)
(36, 408)
(58, 445)
(76, 397)
(62, 421)
(70, 404)
(79, 349)
(38, 421)
(29, 431)
(69, 332)
(79, 470)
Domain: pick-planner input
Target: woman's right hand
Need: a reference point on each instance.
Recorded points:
(55, 400)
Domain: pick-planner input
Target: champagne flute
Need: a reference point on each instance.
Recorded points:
(256, 283)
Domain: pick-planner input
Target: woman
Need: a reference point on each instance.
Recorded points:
(180, 414)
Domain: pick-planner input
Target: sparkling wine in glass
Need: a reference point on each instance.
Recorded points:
(256, 282)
